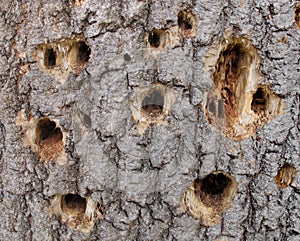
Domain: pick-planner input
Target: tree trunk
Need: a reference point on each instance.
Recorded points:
(149, 120)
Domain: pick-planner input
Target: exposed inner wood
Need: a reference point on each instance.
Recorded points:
(49, 138)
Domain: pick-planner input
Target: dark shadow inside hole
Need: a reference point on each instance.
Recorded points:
(259, 101)
(84, 52)
(154, 39)
(153, 104)
(73, 203)
(47, 129)
(215, 184)
(184, 22)
(50, 58)
(232, 56)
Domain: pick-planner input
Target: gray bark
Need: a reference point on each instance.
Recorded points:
(139, 179)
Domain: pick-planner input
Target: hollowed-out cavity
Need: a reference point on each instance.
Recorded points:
(153, 104)
(214, 184)
(73, 204)
(297, 15)
(150, 105)
(230, 77)
(259, 101)
(209, 197)
(238, 104)
(49, 138)
(84, 52)
(77, 212)
(187, 23)
(61, 57)
(50, 58)
(156, 38)
(285, 176)
(212, 187)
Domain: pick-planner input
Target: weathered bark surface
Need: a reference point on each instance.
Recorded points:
(140, 179)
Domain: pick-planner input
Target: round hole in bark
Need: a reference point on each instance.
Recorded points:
(49, 139)
(153, 104)
(84, 52)
(50, 58)
(214, 188)
(73, 204)
(259, 101)
(184, 22)
(154, 38)
(209, 197)
(187, 22)
(285, 175)
(214, 184)
(46, 129)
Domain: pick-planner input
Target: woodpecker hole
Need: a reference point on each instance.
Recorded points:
(214, 184)
(209, 197)
(84, 52)
(259, 101)
(73, 204)
(211, 189)
(50, 58)
(285, 176)
(186, 22)
(227, 76)
(155, 38)
(153, 104)
(230, 78)
(49, 138)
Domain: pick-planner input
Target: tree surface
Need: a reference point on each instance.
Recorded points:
(149, 120)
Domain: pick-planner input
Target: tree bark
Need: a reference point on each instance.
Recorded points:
(117, 121)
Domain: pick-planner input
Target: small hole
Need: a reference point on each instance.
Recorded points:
(73, 204)
(184, 22)
(214, 184)
(49, 139)
(84, 53)
(50, 58)
(209, 197)
(153, 104)
(285, 176)
(154, 38)
(259, 101)
(187, 22)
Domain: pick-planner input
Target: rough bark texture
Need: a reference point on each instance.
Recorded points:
(139, 179)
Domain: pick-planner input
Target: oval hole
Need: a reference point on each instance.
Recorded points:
(153, 104)
(50, 58)
(259, 101)
(154, 38)
(73, 204)
(84, 52)
(49, 138)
